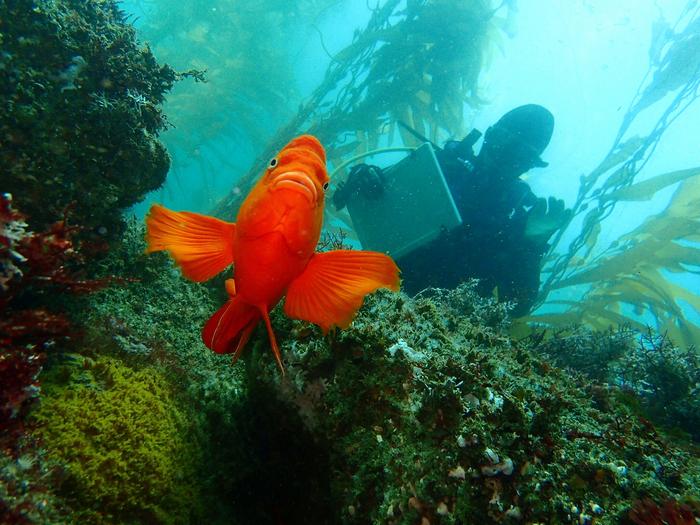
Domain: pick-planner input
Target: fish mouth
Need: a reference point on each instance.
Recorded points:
(298, 181)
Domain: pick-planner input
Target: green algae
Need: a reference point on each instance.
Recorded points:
(398, 418)
(154, 318)
(660, 379)
(120, 437)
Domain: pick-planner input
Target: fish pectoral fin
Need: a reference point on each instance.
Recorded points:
(333, 286)
(201, 245)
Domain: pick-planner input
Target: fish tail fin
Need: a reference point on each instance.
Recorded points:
(273, 339)
(201, 245)
(229, 329)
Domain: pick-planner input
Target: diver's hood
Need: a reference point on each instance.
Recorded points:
(532, 126)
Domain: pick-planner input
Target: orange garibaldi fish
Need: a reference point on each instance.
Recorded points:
(272, 246)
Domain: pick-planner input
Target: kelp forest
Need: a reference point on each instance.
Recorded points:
(633, 280)
(384, 77)
(405, 66)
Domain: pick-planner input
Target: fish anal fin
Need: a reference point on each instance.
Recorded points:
(201, 245)
(243, 337)
(229, 329)
(334, 284)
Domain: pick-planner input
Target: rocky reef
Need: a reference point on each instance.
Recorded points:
(424, 411)
(81, 113)
(429, 412)
(78, 135)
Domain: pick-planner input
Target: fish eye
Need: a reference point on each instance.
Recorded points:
(325, 186)
(273, 162)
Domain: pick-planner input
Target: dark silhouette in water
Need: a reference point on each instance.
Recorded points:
(505, 225)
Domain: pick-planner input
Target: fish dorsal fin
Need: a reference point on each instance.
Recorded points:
(333, 286)
(201, 245)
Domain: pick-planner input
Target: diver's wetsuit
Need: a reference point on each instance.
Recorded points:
(490, 245)
(505, 226)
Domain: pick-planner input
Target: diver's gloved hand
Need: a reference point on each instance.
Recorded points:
(543, 219)
(463, 149)
(365, 180)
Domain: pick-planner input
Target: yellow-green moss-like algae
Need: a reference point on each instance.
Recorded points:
(124, 444)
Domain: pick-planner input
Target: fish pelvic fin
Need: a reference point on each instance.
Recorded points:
(228, 330)
(333, 286)
(202, 246)
(273, 339)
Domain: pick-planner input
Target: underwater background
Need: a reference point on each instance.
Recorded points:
(438, 408)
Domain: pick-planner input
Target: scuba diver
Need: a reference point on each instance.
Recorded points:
(505, 227)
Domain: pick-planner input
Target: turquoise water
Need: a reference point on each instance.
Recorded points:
(585, 62)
